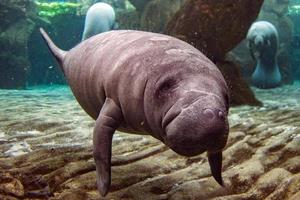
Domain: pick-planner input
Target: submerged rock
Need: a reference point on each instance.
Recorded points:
(139, 4)
(157, 14)
(240, 93)
(10, 186)
(215, 28)
(15, 27)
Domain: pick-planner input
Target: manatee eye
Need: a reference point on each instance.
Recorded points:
(166, 87)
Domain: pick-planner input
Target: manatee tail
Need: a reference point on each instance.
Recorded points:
(56, 52)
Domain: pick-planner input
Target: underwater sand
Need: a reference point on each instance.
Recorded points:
(46, 139)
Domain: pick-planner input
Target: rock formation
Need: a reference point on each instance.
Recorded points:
(239, 90)
(15, 27)
(23, 60)
(139, 4)
(157, 13)
(215, 27)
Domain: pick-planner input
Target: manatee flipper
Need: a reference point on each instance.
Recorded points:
(215, 163)
(106, 124)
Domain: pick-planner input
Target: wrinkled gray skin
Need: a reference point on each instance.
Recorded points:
(262, 40)
(148, 83)
(100, 18)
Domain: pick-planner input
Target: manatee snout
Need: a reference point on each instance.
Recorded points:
(258, 41)
(195, 130)
(258, 45)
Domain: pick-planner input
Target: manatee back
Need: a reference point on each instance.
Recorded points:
(120, 63)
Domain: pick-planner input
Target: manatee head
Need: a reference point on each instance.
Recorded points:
(262, 37)
(256, 41)
(196, 123)
(195, 118)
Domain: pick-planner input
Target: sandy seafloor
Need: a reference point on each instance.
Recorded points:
(45, 135)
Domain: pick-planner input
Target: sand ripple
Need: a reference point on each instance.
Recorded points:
(45, 152)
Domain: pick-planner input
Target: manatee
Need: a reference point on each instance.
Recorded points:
(100, 18)
(147, 83)
(262, 40)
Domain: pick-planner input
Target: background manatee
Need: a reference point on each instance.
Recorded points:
(263, 45)
(100, 17)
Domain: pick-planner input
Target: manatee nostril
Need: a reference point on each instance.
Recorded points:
(209, 113)
(221, 114)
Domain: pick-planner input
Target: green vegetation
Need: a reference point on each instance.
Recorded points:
(294, 10)
(129, 6)
(56, 8)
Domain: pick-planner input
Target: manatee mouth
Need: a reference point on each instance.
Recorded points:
(187, 151)
(170, 115)
(175, 110)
